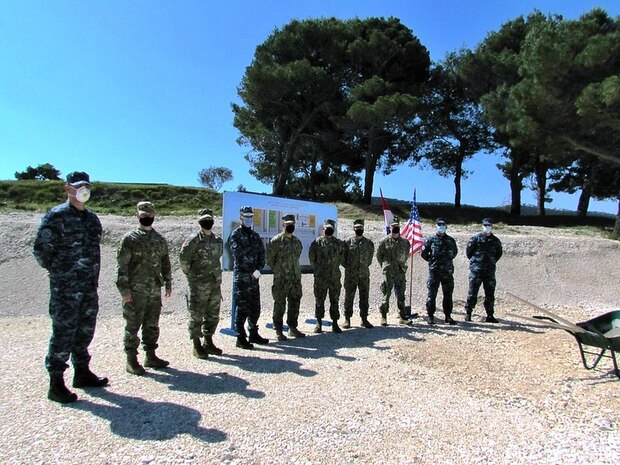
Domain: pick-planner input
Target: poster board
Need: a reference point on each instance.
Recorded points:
(268, 213)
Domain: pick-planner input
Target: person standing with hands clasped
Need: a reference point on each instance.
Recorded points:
(248, 252)
(200, 262)
(143, 268)
(439, 251)
(483, 251)
(283, 253)
(358, 254)
(67, 245)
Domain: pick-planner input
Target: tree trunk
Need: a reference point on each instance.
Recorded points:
(457, 182)
(584, 199)
(516, 186)
(541, 185)
(369, 177)
(616, 232)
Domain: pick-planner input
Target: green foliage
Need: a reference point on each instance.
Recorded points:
(215, 177)
(42, 172)
(113, 198)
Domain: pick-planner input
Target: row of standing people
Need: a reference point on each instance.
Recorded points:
(68, 246)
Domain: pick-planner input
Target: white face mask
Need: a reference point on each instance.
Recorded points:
(82, 194)
(487, 229)
(441, 229)
(248, 222)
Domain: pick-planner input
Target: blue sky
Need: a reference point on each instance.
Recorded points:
(140, 91)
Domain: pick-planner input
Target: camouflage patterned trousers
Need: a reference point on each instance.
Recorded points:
(246, 292)
(447, 287)
(73, 311)
(203, 304)
(396, 281)
(142, 312)
(284, 290)
(488, 283)
(322, 287)
(351, 285)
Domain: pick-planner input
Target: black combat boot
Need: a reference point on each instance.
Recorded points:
(431, 319)
(467, 314)
(133, 366)
(256, 338)
(450, 320)
(366, 323)
(347, 322)
(199, 351)
(242, 342)
(335, 327)
(384, 319)
(153, 361)
(58, 392)
(491, 319)
(318, 328)
(293, 331)
(211, 348)
(83, 377)
(280, 335)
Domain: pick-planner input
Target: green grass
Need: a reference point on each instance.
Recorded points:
(121, 199)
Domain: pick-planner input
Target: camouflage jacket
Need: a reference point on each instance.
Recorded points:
(439, 251)
(200, 258)
(326, 256)
(247, 249)
(143, 261)
(358, 254)
(483, 252)
(283, 256)
(392, 254)
(67, 243)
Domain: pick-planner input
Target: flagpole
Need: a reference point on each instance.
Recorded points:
(411, 284)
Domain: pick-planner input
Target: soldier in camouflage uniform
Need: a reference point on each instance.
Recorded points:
(283, 252)
(67, 246)
(326, 255)
(200, 261)
(392, 254)
(439, 251)
(248, 252)
(143, 268)
(358, 254)
(483, 251)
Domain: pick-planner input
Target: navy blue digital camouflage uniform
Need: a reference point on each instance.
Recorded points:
(67, 245)
(248, 252)
(439, 251)
(483, 253)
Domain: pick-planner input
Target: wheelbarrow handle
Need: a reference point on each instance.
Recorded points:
(573, 327)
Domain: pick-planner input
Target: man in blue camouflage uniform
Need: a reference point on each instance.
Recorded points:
(326, 255)
(439, 251)
(483, 251)
(392, 254)
(67, 245)
(143, 268)
(358, 254)
(200, 262)
(248, 253)
(283, 253)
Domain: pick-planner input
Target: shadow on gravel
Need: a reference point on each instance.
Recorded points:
(257, 364)
(198, 383)
(137, 418)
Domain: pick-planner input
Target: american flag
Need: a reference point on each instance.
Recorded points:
(413, 229)
(387, 213)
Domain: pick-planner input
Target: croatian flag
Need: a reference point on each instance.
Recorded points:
(387, 213)
(413, 229)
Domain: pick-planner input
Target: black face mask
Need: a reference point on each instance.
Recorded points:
(206, 224)
(329, 232)
(359, 232)
(147, 220)
(290, 228)
(395, 230)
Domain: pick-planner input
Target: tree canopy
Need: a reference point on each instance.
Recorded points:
(45, 171)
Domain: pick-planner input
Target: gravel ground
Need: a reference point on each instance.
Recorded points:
(511, 393)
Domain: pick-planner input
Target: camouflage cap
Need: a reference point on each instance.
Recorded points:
(440, 221)
(395, 221)
(246, 211)
(146, 207)
(487, 221)
(205, 213)
(329, 224)
(358, 224)
(78, 179)
(288, 219)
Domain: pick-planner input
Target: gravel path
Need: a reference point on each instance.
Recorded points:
(510, 393)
